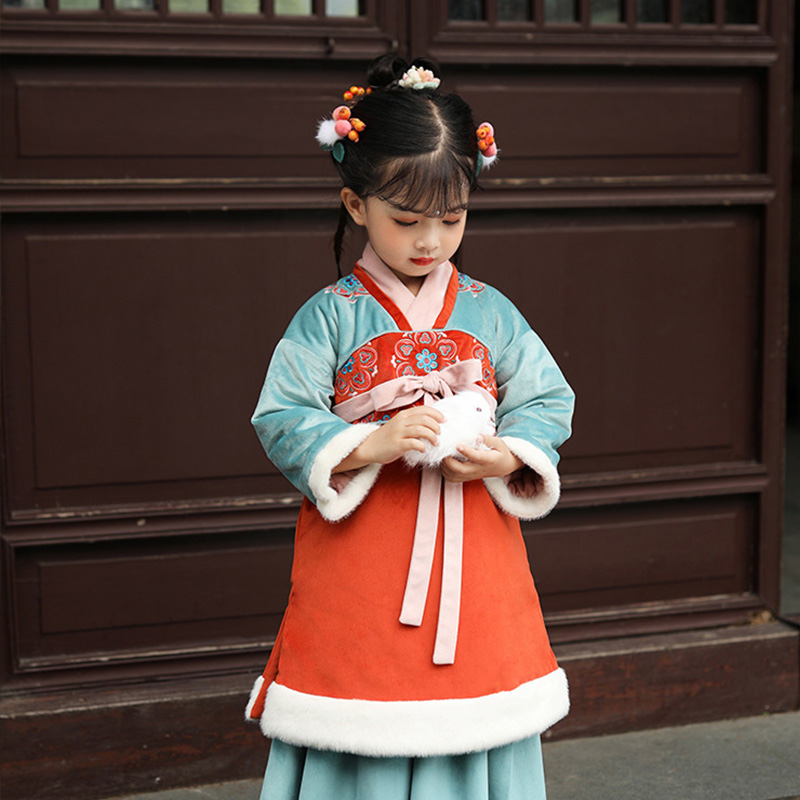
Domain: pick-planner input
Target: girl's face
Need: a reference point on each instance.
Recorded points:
(409, 243)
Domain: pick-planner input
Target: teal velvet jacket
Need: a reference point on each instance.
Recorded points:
(293, 417)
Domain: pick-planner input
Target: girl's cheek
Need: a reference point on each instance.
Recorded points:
(404, 235)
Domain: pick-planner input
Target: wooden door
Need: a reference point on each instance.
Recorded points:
(165, 212)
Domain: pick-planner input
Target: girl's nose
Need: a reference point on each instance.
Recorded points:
(427, 240)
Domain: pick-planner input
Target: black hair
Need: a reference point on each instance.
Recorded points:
(418, 149)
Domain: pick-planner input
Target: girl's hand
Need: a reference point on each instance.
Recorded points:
(494, 463)
(408, 430)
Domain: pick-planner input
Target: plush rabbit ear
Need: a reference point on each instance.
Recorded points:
(326, 133)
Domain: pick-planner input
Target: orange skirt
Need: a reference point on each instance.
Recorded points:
(343, 660)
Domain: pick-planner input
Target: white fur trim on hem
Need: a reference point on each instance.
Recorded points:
(335, 505)
(527, 507)
(415, 727)
(253, 697)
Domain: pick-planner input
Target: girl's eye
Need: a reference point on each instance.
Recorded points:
(405, 224)
(451, 221)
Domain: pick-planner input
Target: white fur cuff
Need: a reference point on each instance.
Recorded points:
(539, 504)
(332, 504)
(415, 727)
(253, 697)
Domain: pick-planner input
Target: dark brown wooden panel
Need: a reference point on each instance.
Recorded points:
(96, 603)
(634, 122)
(651, 317)
(141, 344)
(125, 591)
(643, 553)
(146, 116)
(137, 373)
(153, 119)
(141, 350)
(129, 121)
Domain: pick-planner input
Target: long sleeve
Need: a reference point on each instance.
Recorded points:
(293, 418)
(534, 414)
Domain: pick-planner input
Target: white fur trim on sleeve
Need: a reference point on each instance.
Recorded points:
(527, 507)
(253, 697)
(335, 505)
(415, 727)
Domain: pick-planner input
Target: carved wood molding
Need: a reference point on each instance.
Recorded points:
(245, 194)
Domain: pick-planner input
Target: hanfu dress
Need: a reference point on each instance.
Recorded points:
(413, 633)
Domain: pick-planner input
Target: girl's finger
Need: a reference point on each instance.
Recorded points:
(427, 419)
(421, 432)
(424, 411)
(455, 466)
(428, 424)
(478, 456)
(457, 471)
(415, 444)
(408, 425)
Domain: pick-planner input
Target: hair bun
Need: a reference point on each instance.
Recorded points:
(387, 69)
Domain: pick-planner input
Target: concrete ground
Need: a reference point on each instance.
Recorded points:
(750, 759)
(757, 758)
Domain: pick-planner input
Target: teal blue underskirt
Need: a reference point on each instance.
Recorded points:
(513, 772)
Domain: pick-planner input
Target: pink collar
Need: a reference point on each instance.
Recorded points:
(420, 310)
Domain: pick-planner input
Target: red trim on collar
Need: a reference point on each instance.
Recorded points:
(449, 300)
(393, 311)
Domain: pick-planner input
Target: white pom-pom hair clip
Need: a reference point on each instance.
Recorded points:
(326, 133)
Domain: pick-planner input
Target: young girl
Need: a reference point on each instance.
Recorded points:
(412, 661)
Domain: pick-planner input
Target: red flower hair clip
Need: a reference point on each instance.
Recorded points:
(487, 148)
(341, 125)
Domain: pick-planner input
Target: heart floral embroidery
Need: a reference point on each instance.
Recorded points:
(404, 353)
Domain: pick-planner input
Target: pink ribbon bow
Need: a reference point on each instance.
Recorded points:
(407, 389)
(401, 392)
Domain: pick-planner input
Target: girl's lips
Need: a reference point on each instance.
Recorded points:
(422, 262)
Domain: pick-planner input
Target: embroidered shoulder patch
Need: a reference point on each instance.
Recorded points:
(467, 284)
(349, 287)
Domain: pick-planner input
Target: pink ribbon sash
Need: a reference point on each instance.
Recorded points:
(419, 573)
(401, 392)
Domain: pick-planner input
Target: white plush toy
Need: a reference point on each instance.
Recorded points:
(467, 417)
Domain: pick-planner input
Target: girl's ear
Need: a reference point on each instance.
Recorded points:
(355, 205)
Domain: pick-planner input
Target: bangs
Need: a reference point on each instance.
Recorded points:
(428, 184)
